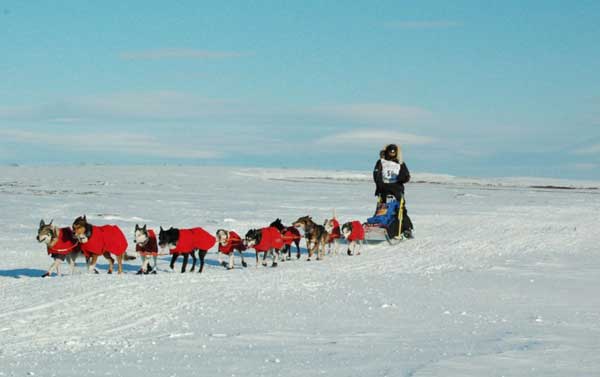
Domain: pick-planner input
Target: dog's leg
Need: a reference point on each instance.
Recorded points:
(53, 266)
(155, 265)
(201, 255)
(111, 262)
(264, 261)
(288, 251)
(193, 255)
(256, 258)
(71, 258)
(49, 272)
(220, 259)
(120, 263)
(359, 247)
(186, 256)
(244, 264)
(144, 267)
(230, 266)
(336, 246)
(351, 248)
(173, 259)
(92, 265)
(297, 242)
(275, 256)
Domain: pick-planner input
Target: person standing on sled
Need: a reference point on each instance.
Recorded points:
(390, 174)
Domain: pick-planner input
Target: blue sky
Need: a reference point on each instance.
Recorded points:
(468, 88)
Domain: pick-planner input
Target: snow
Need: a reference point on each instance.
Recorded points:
(501, 279)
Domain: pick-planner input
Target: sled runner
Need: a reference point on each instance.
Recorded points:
(383, 225)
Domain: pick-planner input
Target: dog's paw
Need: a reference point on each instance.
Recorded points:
(274, 264)
(244, 264)
(47, 274)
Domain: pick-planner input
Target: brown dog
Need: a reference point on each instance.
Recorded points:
(316, 236)
(101, 240)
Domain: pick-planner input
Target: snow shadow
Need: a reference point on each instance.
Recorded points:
(18, 273)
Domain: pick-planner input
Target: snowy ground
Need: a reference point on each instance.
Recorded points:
(501, 280)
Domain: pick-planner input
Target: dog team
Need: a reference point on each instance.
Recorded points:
(274, 241)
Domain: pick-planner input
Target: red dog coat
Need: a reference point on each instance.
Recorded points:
(335, 233)
(358, 232)
(234, 242)
(150, 249)
(105, 239)
(191, 239)
(290, 234)
(65, 243)
(271, 238)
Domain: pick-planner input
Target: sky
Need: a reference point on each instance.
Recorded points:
(467, 88)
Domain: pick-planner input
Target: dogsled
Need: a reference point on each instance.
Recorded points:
(384, 225)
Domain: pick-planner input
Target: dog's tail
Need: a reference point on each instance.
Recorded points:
(127, 257)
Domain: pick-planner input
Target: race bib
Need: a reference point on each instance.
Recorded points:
(390, 171)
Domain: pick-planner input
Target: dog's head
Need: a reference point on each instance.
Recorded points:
(46, 232)
(253, 237)
(278, 224)
(329, 225)
(347, 229)
(222, 236)
(141, 234)
(168, 238)
(82, 230)
(303, 222)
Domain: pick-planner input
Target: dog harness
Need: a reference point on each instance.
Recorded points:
(234, 242)
(290, 234)
(192, 239)
(105, 239)
(335, 233)
(64, 244)
(358, 232)
(270, 238)
(150, 248)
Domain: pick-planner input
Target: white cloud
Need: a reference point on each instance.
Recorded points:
(157, 105)
(423, 25)
(591, 149)
(584, 166)
(128, 143)
(178, 53)
(375, 112)
(377, 137)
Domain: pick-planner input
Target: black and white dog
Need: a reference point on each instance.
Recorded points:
(186, 242)
(290, 235)
(146, 245)
(266, 241)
